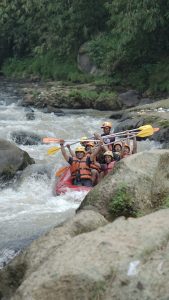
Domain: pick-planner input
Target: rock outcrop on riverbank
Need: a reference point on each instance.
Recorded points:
(129, 107)
(89, 259)
(156, 114)
(53, 96)
(12, 159)
(137, 185)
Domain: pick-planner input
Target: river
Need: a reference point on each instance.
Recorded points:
(28, 207)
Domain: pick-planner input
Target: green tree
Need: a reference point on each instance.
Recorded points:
(139, 30)
(37, 26)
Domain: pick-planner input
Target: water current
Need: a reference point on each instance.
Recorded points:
(28, 206)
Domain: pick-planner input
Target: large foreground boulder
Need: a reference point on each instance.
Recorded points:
(12, 159)
(138, 184)
(124, 260)
(43, 248)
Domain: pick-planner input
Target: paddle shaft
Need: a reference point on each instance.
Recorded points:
(90, 139)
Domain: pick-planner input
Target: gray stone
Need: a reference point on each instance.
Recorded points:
(129, 99)
(12, 159)
(43, 248)
(124, 260)
(56, 111)
(84, 63)
(25, 138)
(138, 184)
(30, 116)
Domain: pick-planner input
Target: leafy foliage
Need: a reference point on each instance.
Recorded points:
(44, 66)
(141, 28)
(31, 26)
(127, 39)
(122, 203)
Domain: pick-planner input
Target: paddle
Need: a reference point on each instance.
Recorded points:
(142, 134)
(55, 149)
(61, 171)
(48, 140)
(146, 131)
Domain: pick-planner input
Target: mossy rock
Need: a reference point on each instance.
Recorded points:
(137, 185)
(107, 101)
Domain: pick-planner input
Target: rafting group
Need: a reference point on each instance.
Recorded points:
(95, 158)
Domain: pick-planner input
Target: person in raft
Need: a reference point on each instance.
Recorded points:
(117, 150)
(80, 165)
(95, 166)
(108, 165)
(127, 150)
(83, 142)
(107, 126)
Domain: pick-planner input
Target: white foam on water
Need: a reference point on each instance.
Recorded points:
(30, 208)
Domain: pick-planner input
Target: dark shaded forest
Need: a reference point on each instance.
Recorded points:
(127, 40)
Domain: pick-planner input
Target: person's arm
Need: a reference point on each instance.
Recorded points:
(70, 150)
(96, 151)
(98, 137)
(96, 163)
(105, 148)
(65, 155)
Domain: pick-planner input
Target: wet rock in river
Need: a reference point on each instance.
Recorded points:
(128, 121)
(162, 135)
(52, 109)
(25, 138)
(116, 114)
(129, 99)
(30, 116)
(12, 159)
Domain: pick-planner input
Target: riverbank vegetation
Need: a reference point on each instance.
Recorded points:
(128, 41)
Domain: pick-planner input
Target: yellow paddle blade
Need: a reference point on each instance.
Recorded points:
(61, 171)
(53, 150)
(145, 132)
(145, 127)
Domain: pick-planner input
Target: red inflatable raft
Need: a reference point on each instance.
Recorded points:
(64, 184)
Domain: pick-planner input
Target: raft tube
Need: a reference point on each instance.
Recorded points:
(64, 184)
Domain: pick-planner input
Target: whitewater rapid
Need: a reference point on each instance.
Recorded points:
(28, 206)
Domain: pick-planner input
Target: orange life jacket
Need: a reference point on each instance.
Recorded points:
(80, 167)
(93, 166)
(110, 167)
